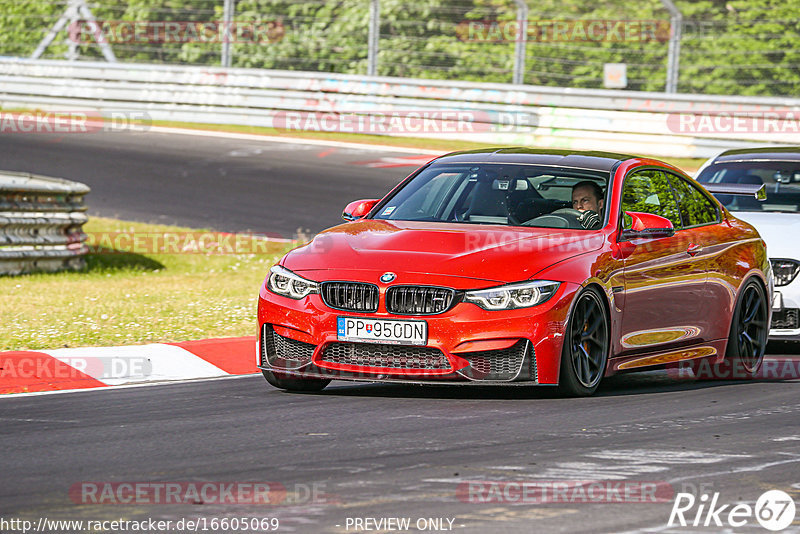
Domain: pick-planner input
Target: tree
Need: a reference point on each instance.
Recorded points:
(746, 47)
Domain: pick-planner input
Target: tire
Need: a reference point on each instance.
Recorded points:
(289, 383)
(586, 346)
(747, 341)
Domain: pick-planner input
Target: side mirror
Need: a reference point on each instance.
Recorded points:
(647, 225)
(359, 208)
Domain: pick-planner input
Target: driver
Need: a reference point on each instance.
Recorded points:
(587, 197)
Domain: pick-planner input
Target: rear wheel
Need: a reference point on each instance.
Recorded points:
(290, 383)
(586, 346)
(747, 341)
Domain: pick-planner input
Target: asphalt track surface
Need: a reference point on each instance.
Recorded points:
(376, 451)
(401, 451)
(203, 182)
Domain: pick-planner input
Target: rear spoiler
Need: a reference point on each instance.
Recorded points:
(754, 190)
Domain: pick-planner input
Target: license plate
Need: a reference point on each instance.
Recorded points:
(777, 301)
(382, 331)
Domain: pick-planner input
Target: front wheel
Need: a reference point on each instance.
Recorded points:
(290, 383)
(586, 346)
(747, 341)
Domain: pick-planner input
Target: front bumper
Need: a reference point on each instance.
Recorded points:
(465, 345)
(786, 313)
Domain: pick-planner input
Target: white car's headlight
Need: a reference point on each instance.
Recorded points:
(284, 282)
(513, 296)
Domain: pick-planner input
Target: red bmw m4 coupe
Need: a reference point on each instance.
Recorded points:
(521, 267)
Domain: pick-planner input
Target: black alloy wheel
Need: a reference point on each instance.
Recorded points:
(747, 342)
(586, 345)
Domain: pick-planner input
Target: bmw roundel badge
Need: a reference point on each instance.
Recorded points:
(388, 277)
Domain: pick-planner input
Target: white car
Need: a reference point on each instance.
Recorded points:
(777, 219)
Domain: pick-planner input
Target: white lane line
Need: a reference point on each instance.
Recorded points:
(629, 463)
(294, 140)
(733, 470)
(21, 420)
(595, 471)
(646, 456)
(442, 417)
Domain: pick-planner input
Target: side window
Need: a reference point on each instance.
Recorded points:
(696, 209)
(649, 191)
(425, 201)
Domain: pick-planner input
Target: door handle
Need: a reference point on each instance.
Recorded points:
(693, 249)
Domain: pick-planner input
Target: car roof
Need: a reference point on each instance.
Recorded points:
(601, 161)
(784, 153)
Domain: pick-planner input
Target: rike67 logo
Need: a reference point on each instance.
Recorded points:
(774, 510)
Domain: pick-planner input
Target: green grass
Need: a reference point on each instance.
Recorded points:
(133, 298)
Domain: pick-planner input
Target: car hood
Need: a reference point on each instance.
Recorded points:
(482, 252)
(779, 231)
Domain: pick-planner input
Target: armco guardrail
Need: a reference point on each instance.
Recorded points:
(648, 123)
(41, 224)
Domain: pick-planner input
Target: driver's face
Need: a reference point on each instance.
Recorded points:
(583, 199)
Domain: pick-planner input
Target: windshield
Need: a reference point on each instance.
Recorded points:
(502, 194)
(781, 177)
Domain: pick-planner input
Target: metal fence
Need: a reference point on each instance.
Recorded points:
(41, 224)
(698, 47)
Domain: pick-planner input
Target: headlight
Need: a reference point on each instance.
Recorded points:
(513, 296)
(285, 283)
(784, 271)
